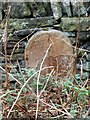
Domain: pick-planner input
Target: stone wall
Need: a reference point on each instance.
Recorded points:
(28, 18)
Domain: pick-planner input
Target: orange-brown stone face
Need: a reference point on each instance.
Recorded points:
(60, 54)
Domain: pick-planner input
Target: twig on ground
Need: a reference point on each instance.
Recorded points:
(59, 110)
(66, 112)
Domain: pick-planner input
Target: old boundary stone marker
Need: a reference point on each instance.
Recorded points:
(60, 54)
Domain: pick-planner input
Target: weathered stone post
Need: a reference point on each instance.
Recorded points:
(60, 54)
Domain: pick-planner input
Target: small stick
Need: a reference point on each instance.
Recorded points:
(5, 46)
(39, 78)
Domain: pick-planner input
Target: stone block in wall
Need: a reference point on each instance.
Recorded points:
(56, 9)
(84, 35)
(79, 9)
(30, 32)
(71, 24)
(40, 9)
(47, 7)
(19, 10)
(72, 8)
(19, 24)
(66, 8)
(60, 54)
(69, 34)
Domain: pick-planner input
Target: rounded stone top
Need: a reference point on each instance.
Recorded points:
(60, 53)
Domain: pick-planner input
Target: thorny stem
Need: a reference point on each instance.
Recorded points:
(77, 44)
(5, 44)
